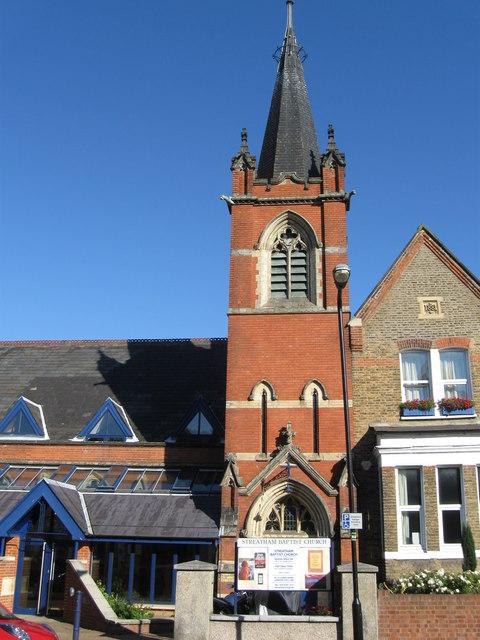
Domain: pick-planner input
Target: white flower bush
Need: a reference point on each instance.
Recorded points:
(436, 582)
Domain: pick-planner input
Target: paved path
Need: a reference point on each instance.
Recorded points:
(64, 631)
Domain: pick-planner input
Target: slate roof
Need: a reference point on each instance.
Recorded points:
(161, 516)
(290, 142)
(156, 381)
(126, 516)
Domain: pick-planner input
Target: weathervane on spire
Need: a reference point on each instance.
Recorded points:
(290, 45)
(289, 14)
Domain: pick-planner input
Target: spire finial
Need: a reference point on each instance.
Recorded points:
(243, 159)
(244, 144)
(289, 14)
(331, 137)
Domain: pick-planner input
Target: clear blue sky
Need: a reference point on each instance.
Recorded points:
(119, 118)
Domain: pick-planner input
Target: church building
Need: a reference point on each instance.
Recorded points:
(135, 455)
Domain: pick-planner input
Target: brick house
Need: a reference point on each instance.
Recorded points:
(417, 336)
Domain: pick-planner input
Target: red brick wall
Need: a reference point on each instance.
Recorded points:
(428, 617)
(109, 454)
(91, 617)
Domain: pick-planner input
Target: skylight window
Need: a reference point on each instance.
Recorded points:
(110, 423)
(24, 419)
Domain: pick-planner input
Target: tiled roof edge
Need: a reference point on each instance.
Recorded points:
(110, 343)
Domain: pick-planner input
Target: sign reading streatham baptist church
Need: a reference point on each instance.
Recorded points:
(283, 564)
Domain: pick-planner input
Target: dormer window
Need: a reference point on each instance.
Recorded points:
(200, 423)
(199, 426)
(24, 421)
(110, 423)
(289, 265)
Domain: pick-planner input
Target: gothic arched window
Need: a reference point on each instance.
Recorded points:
(289, 275)
(289, 517)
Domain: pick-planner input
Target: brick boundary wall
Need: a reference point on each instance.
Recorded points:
(96, 612)
(428, 616)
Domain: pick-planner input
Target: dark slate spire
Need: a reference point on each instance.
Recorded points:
(290, 143)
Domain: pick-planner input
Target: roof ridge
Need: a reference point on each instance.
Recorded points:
(99, 341)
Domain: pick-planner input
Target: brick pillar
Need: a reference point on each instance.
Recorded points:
(84, 554)
(389, 500)
(471, 502)
(431, 509)
(8, 571)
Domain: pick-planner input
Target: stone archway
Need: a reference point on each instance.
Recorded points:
(299, 494)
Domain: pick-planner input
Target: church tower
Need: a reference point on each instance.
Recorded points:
(285, 437)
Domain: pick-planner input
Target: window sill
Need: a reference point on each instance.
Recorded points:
(450, 417)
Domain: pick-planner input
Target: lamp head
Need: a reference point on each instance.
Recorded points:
(341, 275)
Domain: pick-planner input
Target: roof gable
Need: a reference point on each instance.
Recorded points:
(423, 237)
(64, 500)
(289, 454)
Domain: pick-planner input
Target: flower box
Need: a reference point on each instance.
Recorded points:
(458, 412)
(415, 413)
(418, 408)
(456, 407)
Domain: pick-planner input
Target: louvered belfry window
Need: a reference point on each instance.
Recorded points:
(289, 272)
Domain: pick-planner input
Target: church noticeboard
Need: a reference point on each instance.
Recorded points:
(283, 564)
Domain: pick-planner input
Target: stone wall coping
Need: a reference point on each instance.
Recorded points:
(195, 565)
(220, 617)
(362, 568)
(426, 427)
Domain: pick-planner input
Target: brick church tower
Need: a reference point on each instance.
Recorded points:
(285, 438)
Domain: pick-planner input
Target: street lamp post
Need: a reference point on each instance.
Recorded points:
(341, 275)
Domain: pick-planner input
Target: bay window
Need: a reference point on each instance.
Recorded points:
(410, 506)
(450, 504)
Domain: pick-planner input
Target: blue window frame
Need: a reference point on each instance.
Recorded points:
(115, 478)
(142, 570)
(109, 423)
(20, 421)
